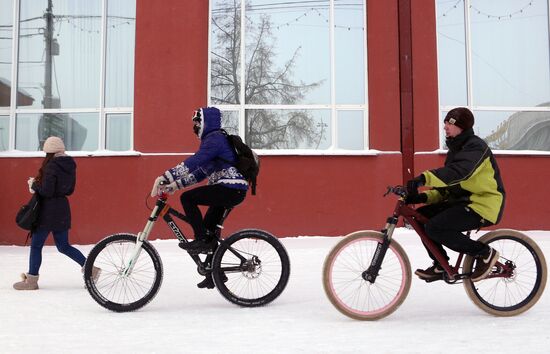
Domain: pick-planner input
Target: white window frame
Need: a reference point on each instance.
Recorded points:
(470, 89)
(102, 111)
(333, 107)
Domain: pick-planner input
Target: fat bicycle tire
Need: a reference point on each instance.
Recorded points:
(251, 268)
(510, 296)
(114, 291)
(356, 297)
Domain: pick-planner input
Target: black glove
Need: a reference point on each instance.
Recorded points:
(413, 184)
(418, 198)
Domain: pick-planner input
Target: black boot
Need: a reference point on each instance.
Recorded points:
(208, 282)
(198, 245)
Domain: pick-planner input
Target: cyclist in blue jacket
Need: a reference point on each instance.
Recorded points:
(226, 185)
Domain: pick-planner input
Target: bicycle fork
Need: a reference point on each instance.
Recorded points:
(371, 273)
(142, 237)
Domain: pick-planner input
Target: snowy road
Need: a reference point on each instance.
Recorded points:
(435, 318)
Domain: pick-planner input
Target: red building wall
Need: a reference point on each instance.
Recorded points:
(297, 195)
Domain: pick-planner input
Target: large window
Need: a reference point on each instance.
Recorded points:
(66, 69)
(493, 57)
(292, 75)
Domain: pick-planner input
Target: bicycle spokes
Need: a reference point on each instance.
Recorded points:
(251, 268)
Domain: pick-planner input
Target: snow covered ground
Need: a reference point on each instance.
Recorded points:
(61, 317)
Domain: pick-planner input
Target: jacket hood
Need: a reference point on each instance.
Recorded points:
(65, 163)
(211, 120)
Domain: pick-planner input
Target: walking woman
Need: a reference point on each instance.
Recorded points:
(55, 181)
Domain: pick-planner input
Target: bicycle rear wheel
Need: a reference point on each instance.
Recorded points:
(114, 290)
(251, 268)
(509, 295)
(356, 297)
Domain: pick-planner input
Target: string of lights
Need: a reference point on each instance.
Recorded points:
(306, 7)
(319, 14)
(71, 20)
(484, 13)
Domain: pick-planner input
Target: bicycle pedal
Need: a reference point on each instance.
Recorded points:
(432, 280)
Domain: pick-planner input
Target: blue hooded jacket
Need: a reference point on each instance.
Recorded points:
(211, 159)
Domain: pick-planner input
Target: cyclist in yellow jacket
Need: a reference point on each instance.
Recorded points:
(466, 193)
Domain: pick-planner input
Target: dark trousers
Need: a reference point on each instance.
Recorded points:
(446, 225)
(217, 197)
(61, 239)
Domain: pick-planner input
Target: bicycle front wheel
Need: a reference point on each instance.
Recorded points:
(346, 287)
(113, 289)
(251, 268)
(518, 280)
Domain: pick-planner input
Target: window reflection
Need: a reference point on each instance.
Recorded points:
(287, 62)
(118, 128)
(59, 70)
(4, 132)
(282, 42)
(510, 62)
(521, 130)
(508, 55)
(288, 129)
(349, 33)
(60, 53)
(350, 128)
(119, 81)
(451, 54)
(6, 35)
(226, 49)
(230, 122)
(79, 131)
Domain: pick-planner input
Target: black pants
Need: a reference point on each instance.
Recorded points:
(446, 224)
(215, 196)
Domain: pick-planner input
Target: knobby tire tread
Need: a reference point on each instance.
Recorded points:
(252, 234)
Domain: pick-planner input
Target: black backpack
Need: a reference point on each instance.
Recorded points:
(248, 162)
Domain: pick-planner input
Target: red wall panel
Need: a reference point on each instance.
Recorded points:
(383, 75)
(170, 72)
(425, 109)
(297, 195)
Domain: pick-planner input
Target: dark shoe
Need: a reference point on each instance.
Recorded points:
(198, 245)
(484, 265)
(432, 273)
(208, 282)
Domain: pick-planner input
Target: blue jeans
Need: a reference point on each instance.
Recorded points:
(61, 239)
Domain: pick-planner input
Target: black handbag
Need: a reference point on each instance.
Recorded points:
(27, 216)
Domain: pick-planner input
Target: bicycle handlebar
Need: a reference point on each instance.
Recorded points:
(400, 191)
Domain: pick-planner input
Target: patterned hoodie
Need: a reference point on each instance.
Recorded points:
(210, 160)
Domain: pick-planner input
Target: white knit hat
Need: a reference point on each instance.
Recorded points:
(53, 145)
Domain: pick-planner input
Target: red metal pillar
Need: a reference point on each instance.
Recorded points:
(406, 88)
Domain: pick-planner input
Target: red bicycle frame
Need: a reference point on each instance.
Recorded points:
(417, 220)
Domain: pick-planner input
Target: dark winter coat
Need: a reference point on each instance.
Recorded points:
(58, 181)
(212, 159)
(470, 176)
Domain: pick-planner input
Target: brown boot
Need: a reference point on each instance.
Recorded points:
(28, 282)
(96, 272)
